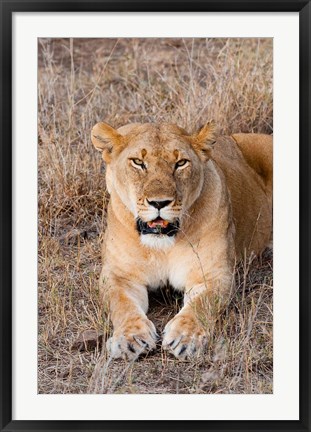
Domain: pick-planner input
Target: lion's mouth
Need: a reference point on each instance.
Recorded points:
(157, 226)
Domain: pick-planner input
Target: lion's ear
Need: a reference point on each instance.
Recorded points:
(204, 139)
(106, 139)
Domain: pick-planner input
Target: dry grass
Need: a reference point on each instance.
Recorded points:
(188, 82)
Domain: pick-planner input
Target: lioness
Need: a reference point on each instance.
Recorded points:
(183, 208)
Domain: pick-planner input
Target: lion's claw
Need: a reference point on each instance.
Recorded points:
(130, 341)
(184, 338)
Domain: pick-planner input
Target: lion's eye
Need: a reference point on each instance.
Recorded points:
(181, 163)
(138, 163)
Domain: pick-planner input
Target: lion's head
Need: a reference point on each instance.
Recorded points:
(157, 171)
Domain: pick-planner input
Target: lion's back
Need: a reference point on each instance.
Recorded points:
(246, 161)
(257, 150)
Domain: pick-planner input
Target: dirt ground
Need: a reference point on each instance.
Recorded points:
(183, 81)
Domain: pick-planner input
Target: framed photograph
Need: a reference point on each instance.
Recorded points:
(155, 215)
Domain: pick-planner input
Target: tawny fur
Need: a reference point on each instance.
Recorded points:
(223, 199)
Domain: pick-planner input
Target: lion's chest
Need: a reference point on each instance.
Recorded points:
(168, 269)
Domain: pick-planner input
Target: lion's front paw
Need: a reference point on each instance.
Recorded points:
(134, 338)
(184, 337)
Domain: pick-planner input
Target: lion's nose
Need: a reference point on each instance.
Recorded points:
(160, 203)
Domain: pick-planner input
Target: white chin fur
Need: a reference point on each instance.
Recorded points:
(157, 242)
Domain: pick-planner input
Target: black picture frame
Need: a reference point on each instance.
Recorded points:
(8, 7)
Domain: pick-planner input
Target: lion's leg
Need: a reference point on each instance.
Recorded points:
(187, 334)
(127, 303)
